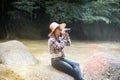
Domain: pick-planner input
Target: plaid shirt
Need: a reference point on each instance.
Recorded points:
(56, 45)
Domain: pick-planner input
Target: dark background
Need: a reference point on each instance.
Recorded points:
(19, 20)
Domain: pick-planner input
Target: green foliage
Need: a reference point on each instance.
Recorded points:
(100, 10)
(75, 10)
(105, 10)
(61, 11)
(24, 5)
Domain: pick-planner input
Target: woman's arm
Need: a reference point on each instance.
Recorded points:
(55, 44)
(67, 40)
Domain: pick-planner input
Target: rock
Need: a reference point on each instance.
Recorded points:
(15, 53)
(102, 66)
(47, 72)
(8, 74)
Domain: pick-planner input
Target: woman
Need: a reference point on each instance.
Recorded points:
(58, 39)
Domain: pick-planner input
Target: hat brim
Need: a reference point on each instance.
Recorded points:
(62, 26)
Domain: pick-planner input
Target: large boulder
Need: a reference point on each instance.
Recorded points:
(15, 52)
(47, 72)
(102, 66)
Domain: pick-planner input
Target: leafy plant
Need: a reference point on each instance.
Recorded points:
(100, 10)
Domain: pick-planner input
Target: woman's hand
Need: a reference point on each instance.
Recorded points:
(64, 33)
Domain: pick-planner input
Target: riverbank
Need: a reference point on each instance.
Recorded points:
(78, 51)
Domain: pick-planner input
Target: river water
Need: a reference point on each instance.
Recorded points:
(79, 51)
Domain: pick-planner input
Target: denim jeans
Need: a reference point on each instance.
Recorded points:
(68, 66)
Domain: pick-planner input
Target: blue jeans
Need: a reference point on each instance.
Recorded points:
(67, 66)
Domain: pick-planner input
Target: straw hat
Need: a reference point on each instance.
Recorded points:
(55, 25)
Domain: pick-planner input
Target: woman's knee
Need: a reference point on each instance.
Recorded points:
(77, 64)
(71, 61)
